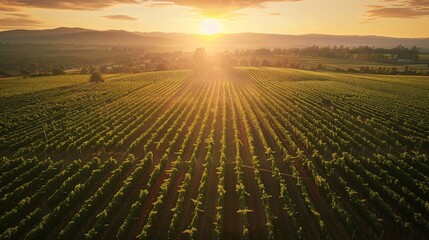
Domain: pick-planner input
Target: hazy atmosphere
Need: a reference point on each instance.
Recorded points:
(394, 18)
(214, 120)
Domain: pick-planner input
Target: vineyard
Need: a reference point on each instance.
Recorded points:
(252, 153)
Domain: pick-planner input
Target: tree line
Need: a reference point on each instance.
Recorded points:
(364, 53)
(83, 61)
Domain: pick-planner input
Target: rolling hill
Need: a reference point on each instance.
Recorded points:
(181, 40)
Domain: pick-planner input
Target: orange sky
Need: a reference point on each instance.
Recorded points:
(396, 18)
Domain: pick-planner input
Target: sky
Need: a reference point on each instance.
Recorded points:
(393, 18)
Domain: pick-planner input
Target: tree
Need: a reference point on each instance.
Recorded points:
(5, 74)
(227, 63)
(104, 70)
(96, 77)
(84, 70)
(254, 62)
(57, 71)
(200, 63)
(285, 62)
(92, 70)
(406, 69)
(25, 72)
(244, 62)
(265, 63)
(161, 67)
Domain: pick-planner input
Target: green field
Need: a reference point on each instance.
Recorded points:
(20, 85)
(334, 64)
(424, 57)
(250, 153)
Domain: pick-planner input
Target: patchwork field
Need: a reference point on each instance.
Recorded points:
(253, 153)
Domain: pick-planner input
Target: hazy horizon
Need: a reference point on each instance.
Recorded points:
(393, 18)
(217, 34)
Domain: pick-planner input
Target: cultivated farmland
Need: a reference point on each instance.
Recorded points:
(252, 153)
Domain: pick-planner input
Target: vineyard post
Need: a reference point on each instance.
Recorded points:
(382, 233)
(420, 145)
(46, 136)
(411, 235)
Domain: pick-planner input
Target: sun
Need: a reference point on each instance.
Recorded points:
(210, 26)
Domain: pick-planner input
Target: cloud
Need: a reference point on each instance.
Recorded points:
(19, 15)
(159, 4)
(398, 9)
(419, 2)
(214, 7)
(121, 17)
(275, 14)
(16, 22)
(65, 4)
(220, 7)
(5, 8)
(395, 12)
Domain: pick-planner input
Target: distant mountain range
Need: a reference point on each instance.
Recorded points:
(190, 41)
